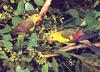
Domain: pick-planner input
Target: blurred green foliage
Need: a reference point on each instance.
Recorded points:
(27, 49)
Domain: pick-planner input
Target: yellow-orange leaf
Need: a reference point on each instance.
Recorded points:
(57, 36)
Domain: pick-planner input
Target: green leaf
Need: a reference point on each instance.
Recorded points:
(20, 40)
(18, 69)
(26, 70)
(7, 37)
(16, 20)
(97, 14)
(45, 68)
(32, 40)
(90, 22)
(6, 29)
(97, 27)
(63, 53)
(39, 2)
(20, 8)
(55, 65)
(98, 61)
(7, 44)
(74, 13)
(2, 54)
(29, 6)
(27, 59)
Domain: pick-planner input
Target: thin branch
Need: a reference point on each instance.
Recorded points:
(97, 44)
(66, 49)
(2, 25)
(45, 8)
(73, 47)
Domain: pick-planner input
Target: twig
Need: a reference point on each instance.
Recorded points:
(88, 62)
(2, 25)
(81, 46)
(65, 49)
(73, 47)
(96, 3)
(45, 8)
(97, 44)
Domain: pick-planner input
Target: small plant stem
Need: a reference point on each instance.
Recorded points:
(66, 49)
(45, 8)
(2, 25)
